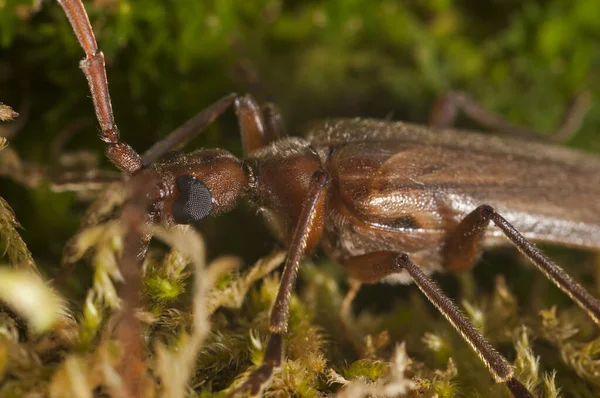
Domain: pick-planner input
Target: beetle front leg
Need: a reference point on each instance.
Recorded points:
(462, 247)
(308, 231)
(118, 152)
(375, 266)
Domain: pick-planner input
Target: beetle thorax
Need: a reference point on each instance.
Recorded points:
(281, 175)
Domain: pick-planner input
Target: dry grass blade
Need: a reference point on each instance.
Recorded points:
(18, 254)
(176, 366)
(7, 113)
(232, 296)
(113, 196)
(11, 166)
(79, 375)
(30, 298)
(106, 243)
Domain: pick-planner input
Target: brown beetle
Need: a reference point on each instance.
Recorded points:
(386, 200)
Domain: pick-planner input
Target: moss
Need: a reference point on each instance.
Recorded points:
(163, 289)
(369, 368)
(12, 243)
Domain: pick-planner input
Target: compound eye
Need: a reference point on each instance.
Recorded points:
(194, 201)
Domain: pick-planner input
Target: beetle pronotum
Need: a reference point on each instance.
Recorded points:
(386, 200)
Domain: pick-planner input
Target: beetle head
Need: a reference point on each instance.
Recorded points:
(202, 183)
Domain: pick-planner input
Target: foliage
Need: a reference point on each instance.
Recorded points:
(319, 58)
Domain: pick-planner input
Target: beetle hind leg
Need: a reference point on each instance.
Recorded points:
(374, 266)
(462, 248)
(446, 107)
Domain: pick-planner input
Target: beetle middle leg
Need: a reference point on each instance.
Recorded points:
(445, 108)
(375, 266)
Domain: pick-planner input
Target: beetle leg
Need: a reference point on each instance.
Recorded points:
(445, 108)
(120, 154)
(178, 137)
(468, 236)
(463, 246)
(309, 227)
(462, 249)
(443, 114)
(259, 126)
(374, 266)
(252, 123)
(572, 117)
(273, 122)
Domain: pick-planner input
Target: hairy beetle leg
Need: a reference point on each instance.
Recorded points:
(443, 115)
(310, 223)
(374, 266)
(464, 243)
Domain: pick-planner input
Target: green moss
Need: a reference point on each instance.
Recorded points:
(163, 289)
(369, 368)
(12, 244)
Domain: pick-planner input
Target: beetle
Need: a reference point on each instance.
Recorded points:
(387, 200)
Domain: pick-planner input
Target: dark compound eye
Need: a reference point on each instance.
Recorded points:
(194, 201)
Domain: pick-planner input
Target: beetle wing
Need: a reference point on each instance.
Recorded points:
(400, 177)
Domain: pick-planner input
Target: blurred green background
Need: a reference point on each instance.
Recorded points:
(166, 60)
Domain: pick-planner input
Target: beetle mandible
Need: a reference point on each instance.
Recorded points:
(387, 200)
